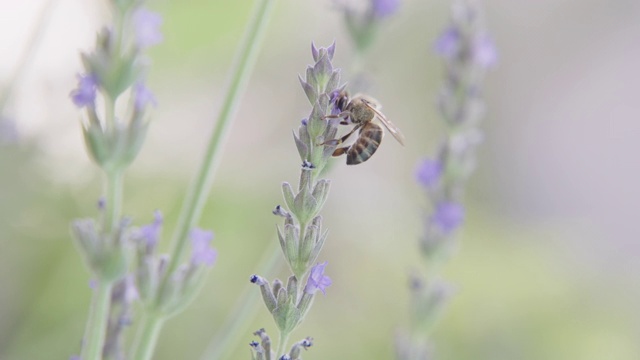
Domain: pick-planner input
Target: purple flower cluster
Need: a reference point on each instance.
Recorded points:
(317, 279)
(202, 253)
(429, 172)
(151, 233)
(147, 28)
(385, 8)
(85, 94)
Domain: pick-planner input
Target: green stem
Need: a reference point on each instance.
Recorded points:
(97, 324)
(197, 196)
(114, 190)
(147, 337)
(282, 344)
(198, 193)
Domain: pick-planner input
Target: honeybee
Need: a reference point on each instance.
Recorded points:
(361, 110)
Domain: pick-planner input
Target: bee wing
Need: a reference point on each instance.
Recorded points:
(397, 134)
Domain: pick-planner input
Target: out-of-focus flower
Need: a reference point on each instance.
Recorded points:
(147, 28)
(384, 8)
(317, 280)
(143, 96)
(484, 51)
(429, 172)
(447, 44)
(150, 233)
(202, 253)
(448, 216)
(85, 94)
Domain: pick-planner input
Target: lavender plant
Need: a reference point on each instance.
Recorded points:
(114, 68)
(467, 52)
(302, 236)
(163, 283)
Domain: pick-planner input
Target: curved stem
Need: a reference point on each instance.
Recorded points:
(147, 337)
(97, 324)
(197, 196)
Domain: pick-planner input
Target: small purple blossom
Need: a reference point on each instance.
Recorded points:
(143, 96)
(8, 130)
(147, 28)
(93, 284)
(385, 8)
(448, 216)
(448, 43)
(102, 203)
(202, 253)
(429, 172)
(85, 94)
(317, 280)
(484, 51)
(151, 233)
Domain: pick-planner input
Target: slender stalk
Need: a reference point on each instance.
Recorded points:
(97, 323)
(198, 193)
(114, 190)
(282, 344)
(148, 336)
(197, 196)
(101, 304)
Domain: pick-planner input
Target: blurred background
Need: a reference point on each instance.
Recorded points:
(549, 261)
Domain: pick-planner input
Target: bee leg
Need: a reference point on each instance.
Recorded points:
(340, 151)
(335, 142)
(342, 115)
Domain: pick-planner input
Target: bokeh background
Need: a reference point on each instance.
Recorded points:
(549, 261)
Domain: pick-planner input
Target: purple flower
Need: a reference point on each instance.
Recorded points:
(85, 94)
(317, 280)
(150, 233)
(8, 130)
(429, 172)
(143, 96)
(202, 253)
(484, 51)
(384, 8)
(448, 43)
(147, 28)
(448, 216)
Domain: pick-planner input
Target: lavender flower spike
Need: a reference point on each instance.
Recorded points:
(317, 280)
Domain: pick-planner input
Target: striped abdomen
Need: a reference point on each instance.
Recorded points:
(369, 139)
